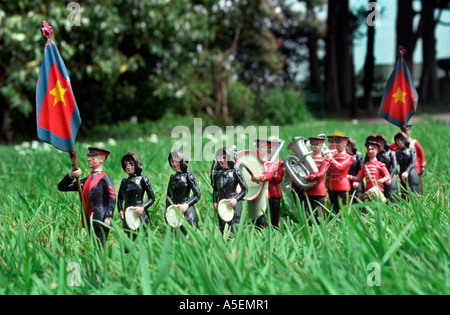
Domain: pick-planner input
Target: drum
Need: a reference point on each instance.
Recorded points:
(225, 211)
(249, 162)
(374, 194)
(258, 206)
(131, 218)
(173, 216)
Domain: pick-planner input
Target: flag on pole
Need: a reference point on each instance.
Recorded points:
(400, 96)
(57, 115)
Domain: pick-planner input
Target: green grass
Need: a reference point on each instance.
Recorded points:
(41, 235)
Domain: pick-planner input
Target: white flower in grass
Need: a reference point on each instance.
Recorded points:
(153, 138)
(112, 142)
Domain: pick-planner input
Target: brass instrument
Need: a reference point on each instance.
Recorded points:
(298, 165)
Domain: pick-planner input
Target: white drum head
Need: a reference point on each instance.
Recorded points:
(251, 160)
(173, 216)
(225, 211)
(131, 218)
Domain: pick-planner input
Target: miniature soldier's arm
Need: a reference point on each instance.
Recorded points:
(149, 191)
(385, 173)
(109, 196)
(195, 189)
(242, 183)
(412, 162)
(394, 165)
(169, 195)
(67, 184)
(359, 177)
(321, 173)
(420, 155)
(120, 199)
(345, 163)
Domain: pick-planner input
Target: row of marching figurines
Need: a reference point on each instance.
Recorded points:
(334, 172)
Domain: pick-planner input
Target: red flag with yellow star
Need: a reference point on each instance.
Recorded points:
(400, 96)
(58, 118)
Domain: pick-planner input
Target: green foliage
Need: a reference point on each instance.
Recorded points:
(41, 236)
(283, 106)
(141, 58)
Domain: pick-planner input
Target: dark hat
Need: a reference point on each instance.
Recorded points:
(95, 151)
(372, 144)
(316, 139)
(340, 138)
(268, 142)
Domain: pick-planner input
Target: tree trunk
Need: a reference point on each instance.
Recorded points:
(5, 130)
(332, 99)
(429, 83)
(406, 37)
(369, 67)
(314, 64)
(344, 54)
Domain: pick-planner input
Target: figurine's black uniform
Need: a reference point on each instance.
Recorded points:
(406, 159)
(99, 199)
(389, 159)
(133, 189)
(225, 185)
(179, 191)
(354, 170)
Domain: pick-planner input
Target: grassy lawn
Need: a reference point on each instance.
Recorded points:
(43, 247)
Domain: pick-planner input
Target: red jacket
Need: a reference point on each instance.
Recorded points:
(318, 189)
(420, 156)
(337, 174)
(274, 175)
(377, 170)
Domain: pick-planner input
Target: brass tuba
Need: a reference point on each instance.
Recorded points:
(298, 165)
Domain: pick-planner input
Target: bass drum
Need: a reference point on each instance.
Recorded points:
(249, 161)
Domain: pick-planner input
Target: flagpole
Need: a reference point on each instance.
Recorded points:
(73, 157)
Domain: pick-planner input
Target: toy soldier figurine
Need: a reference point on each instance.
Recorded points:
(133, 189)
(332, 146)
(375, 173)
(316, 194)
(355, 168)
(179, 189)
(339, 165)
(387, 157)
(406, 158)
(99, 195)
(420, 154)
(225, 184)
(274, 175)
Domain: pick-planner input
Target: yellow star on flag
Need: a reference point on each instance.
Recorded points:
(399, 96)
(58, 92)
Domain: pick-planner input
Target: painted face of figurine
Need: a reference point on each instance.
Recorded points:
(175, 165)
(381, 142)
(316, 147)
(129, 167)
(400, 142)
(372, 151)
(332, 144)
(263, 150)
(349, 149)
(341, 145)
(96, 161)
(223, 161)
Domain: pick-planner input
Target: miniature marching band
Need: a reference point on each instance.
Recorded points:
(333, 174)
